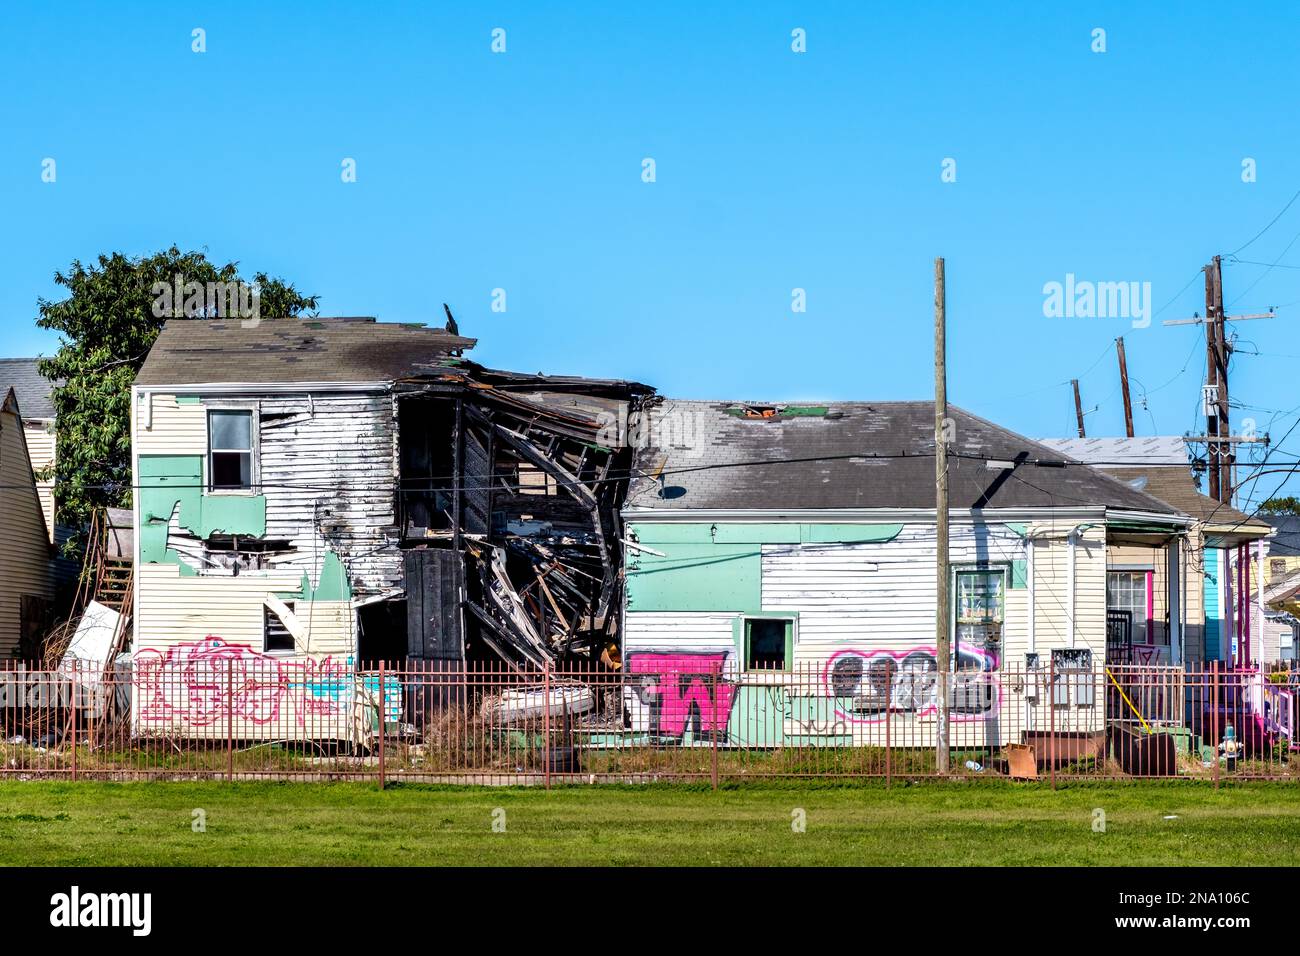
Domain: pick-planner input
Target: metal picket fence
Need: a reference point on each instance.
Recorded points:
(227, 714)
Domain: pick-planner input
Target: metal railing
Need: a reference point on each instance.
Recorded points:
(225, 712)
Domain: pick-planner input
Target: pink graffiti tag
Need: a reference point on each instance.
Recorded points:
(202, 682)
(678, 685)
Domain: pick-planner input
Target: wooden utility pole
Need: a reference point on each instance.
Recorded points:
(1211, 382)
(942, 645)
(1226, 457)
(1078, 407)
(1218, 428)
(1123, 384)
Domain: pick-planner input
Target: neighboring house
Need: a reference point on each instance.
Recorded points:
(1282, 587)
(33, 392)
(792, 547)
(1219, 538)
(319, 494)
(27, 582)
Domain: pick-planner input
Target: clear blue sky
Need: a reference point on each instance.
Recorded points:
(775, 170)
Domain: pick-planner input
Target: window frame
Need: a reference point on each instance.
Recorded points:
(1144, 624)
(267, 614)
(1002, 568)
(741, 635)
(254, 450)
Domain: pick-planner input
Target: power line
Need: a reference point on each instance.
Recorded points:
(1270, 225)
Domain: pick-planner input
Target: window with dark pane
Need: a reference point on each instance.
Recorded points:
(766, 643)
(230, 448)
(275, 635)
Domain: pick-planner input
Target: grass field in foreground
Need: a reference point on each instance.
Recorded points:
(355, 824)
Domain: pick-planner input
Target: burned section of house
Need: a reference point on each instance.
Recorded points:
(350, 491)
(524, 476)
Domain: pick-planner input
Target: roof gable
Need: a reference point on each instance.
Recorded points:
(32, 388)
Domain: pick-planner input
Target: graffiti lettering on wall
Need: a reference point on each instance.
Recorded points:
(202, 683)
(673, 691)
(907, 682)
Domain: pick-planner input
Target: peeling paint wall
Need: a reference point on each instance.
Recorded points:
(869, 596)
(329, 462)
(325, 473)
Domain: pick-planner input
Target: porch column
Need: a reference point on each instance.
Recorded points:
(1174, 601)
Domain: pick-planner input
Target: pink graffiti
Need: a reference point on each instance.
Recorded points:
(906, 682)
(200, 683)
(677, 686)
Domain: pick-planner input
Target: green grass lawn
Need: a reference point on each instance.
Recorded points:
(355, 824)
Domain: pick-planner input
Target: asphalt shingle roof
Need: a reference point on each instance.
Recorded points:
(1287, 540)
(201, 351)
(1175, 486)
(711, 456)
(32, 389)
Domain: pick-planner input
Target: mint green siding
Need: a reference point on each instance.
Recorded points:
(711, 566)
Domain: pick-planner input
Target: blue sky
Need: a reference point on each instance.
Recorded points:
(775, 170)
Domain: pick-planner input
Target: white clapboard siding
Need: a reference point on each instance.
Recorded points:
(874, 595)
(881, 595)
(174, 609)
(25, 566)
(1052, 590)
(327, 469)
(326, 465)
(696, 631)
(175, 428)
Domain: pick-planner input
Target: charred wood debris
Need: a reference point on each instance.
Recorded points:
(524, 476)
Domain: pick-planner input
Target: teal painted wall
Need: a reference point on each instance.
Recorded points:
(719, 566)
(696, 577)
(1213, 613)
(166, 481)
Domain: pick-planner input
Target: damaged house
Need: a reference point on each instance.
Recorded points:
(319, 495)
(781, 577)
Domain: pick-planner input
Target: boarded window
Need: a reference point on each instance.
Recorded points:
(230, 449)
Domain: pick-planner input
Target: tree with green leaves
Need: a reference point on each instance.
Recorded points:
(1289, 505)
(108, 322)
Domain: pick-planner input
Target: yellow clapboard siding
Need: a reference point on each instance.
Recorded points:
(174, 610)
(40, 449)
(25, 565)
(175, 429)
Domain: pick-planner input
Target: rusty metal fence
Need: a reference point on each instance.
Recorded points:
(230, 716)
